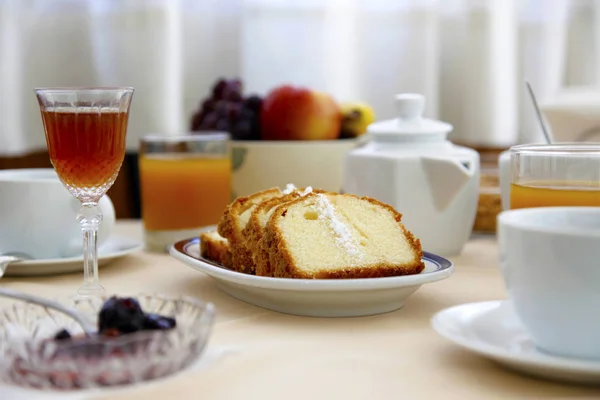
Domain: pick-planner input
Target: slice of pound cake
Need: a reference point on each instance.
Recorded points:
(325, 236)
(215, 247)
(258, 220)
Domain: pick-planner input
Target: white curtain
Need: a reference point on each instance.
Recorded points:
(469, 57)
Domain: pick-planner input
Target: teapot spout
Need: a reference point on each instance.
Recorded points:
(446, 177)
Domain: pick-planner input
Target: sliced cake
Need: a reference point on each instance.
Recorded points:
(258, 220)
(324, 236)
(215, 247)
(233, 222)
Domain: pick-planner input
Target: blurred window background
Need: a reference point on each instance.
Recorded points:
(468, 57)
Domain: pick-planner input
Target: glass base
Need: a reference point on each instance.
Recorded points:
(89, 290)
(161, 241)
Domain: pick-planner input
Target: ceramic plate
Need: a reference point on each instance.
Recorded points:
(115, 247)
(315, 297)
(493, 330)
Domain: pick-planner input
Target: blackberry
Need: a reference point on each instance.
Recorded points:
(62, 335)
(122, 314)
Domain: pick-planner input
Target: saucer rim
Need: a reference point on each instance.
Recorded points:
(536, 358)
(135, 246)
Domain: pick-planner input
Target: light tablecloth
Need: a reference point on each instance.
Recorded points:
(260, 354)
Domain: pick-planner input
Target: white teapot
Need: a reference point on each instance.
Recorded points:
(409, 164)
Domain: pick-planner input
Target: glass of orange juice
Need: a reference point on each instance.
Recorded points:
(185, 185)
(565, 174)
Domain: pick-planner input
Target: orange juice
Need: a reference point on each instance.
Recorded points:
(554, 194)
(183, 191)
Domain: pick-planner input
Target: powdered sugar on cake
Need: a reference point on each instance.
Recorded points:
(289, 188)
(342, 232)
(306, 191)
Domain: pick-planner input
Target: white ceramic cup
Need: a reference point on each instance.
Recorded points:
(550, 261)
(38, 215)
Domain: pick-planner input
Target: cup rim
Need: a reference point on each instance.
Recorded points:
(23, 175)
(517, 219)
(208, 136)
(79, 89)
(563, 148)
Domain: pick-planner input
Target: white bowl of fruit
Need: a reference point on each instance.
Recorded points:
(293, 134)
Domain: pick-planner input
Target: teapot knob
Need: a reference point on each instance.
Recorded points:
(410, 106)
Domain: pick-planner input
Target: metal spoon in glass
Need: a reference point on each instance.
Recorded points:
(545, 130)
(87, 327)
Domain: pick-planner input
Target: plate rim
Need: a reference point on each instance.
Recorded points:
(216, 271)
(532, 359)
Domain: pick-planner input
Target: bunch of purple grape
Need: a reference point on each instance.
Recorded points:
(227, 110)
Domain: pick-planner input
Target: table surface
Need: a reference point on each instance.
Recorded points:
(268, 355)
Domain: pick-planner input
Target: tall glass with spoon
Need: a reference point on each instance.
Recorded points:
(85, 132)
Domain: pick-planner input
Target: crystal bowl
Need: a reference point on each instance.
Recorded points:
(30, 357)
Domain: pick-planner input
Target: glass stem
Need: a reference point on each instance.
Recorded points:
(89, 218)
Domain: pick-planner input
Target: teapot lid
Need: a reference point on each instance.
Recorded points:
(410, 124)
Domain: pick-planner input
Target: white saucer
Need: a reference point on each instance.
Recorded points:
(115, 247)
(315, 297)
(493, 330)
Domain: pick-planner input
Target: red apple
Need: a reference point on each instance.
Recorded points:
(296, 113)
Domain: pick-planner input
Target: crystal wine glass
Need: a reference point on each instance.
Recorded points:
(85, 132)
